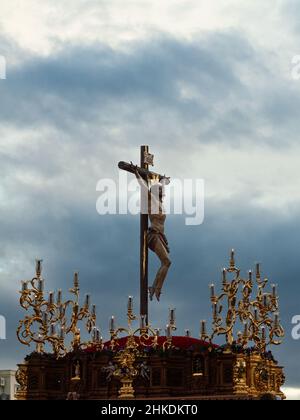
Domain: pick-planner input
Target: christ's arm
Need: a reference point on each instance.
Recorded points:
(141, 181)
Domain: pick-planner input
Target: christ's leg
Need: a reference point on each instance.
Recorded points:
(163, 255)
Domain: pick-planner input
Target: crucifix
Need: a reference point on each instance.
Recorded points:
(153, 237)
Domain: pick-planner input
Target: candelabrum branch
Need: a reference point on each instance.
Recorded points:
(259, 315)
(48, 315)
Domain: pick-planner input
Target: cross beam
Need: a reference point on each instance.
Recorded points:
(145, 173)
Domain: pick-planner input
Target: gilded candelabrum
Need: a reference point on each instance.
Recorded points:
(48, 323)
(127, 360)
(256, 310)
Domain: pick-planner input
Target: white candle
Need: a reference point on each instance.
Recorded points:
(94, 335)
(215, 309)
(76, 280)
(224, 275)
(246, 330)
(232, 262)
(265, 300)
(59, 296)
(112, 323)
(41, 285)
(24, 286)
(38, 267)
(203, 328)
(212, 290)
(45, 318)
(130, 303)
(172, 316)
(258, 270)
(87, 301)
(51, 298)
(76, 308)
(168, 331)
(53, 329)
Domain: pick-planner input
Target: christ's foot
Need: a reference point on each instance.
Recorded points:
(158, 294)
(151, 293)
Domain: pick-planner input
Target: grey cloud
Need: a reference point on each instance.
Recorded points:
(109, 87)
(199, 86)
(290, 10)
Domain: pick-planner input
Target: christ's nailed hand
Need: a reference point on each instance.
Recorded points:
(135, 167)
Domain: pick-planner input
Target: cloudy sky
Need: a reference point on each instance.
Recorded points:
(209, 86)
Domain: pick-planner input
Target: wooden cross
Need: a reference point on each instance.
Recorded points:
(143, 170)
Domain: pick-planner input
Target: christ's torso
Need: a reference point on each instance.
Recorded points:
(158, 222)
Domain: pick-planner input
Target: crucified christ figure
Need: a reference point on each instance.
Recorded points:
(157, 240)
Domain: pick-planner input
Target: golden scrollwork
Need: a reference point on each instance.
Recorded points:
(22, 378)
(262, 377)
(48, 324)
(279, 380)
(126, 359)
(257, 312)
